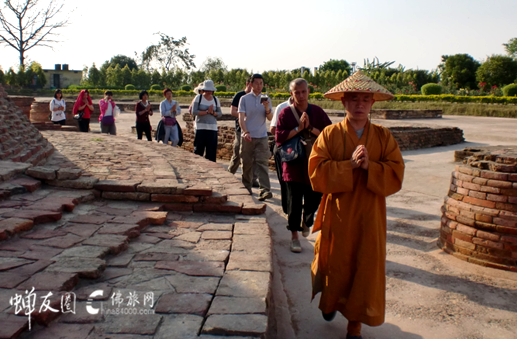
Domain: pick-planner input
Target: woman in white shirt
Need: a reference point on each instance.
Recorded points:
(57, 108)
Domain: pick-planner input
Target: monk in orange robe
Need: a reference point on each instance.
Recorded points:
(356, 165)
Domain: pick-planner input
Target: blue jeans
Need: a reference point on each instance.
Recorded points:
(171, 132)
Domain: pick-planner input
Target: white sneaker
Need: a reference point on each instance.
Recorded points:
(295, 246)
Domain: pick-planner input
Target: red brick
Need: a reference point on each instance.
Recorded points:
(506, 230)
(506, 207)
(117, 185)
(465, 220)
(46, 281)
(509, 239)
(198, 190)
(463, 191)
(483, 218)
(253, 209)
(500, 184)
(488, 243)
(465, 169)
(452, 209)
(16, 225)
(446, 230)
(178, 207)
(450, 215)
(488, 236)
(464, 244)
(467, 230)
(509, 192)
(496, 198)
(514, 255)
(491, 211)
(486, 257)
(479, 202)
(30, 184)
(485, 226)
(508, 215)
(472, 186)
(465, 178)
(489, 189)
(453, 188)
(174, 198)
(512, 177)
(480, 181)
(461, 236)
(39, 217)
(512, 200)
(477, 195)
(453, 225)
(494, 175)
(505, 222)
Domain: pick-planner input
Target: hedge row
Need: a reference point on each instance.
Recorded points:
(319, 96)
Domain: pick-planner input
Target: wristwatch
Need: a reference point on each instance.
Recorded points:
(296, 129)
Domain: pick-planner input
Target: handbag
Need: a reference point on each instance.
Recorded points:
(169, 121)
(79, 115)
(293, 148)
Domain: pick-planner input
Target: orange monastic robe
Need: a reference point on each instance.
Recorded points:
(350, 251)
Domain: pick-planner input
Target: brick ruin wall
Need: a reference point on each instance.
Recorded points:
(20, 141)
(408, 138)
(479, 220)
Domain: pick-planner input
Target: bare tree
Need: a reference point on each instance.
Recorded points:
(26, 25)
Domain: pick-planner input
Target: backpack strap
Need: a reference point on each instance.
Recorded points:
(295, 113)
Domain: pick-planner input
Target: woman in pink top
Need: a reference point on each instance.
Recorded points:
(107, 118)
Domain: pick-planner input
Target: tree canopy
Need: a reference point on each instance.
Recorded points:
(168, 53)
(459, 71)
(511, 47)
(335, 65)
(497, 70)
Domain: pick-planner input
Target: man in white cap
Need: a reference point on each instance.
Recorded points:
(356, 165)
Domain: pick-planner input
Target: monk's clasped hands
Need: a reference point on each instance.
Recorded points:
(360, 158)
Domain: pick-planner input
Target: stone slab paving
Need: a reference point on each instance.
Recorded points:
(178, 261)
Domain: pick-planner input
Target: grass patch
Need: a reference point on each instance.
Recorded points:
(97, 139)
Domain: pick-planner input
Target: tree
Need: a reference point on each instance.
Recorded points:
(126, 75)
(168, 53)
(122, 61)
(335, 65)
(94, 76)
(26, 25)
(213, 64)
(511, 47)
(2, 76)
(497, 70)
(459, 71)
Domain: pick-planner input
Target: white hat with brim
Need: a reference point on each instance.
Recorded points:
(208, 85)
(359, 83)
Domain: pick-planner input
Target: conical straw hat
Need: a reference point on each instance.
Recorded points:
(358, 82)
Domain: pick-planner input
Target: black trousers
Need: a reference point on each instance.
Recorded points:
(206, 140)
(301, 199)
(84, 125)
(143, 127)
(279, 173)
(60, 122)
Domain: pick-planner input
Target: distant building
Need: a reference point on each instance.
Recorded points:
(62, 77)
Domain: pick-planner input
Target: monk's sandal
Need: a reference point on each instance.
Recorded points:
(295, 246)
(329, 316)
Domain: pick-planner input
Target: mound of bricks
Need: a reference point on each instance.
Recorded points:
(479, 221)
(24, 103)
(20, 141)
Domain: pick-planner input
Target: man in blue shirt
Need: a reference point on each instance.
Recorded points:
(254, 109)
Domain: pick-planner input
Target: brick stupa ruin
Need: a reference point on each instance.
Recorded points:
(479, 221)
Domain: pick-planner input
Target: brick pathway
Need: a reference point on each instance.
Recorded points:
(138, 221)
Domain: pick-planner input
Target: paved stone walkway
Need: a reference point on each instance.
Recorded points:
(175, 245)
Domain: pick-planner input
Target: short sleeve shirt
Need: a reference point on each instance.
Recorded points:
(235, 103)
(255, 114)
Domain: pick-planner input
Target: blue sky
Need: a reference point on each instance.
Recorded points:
(274, 35)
